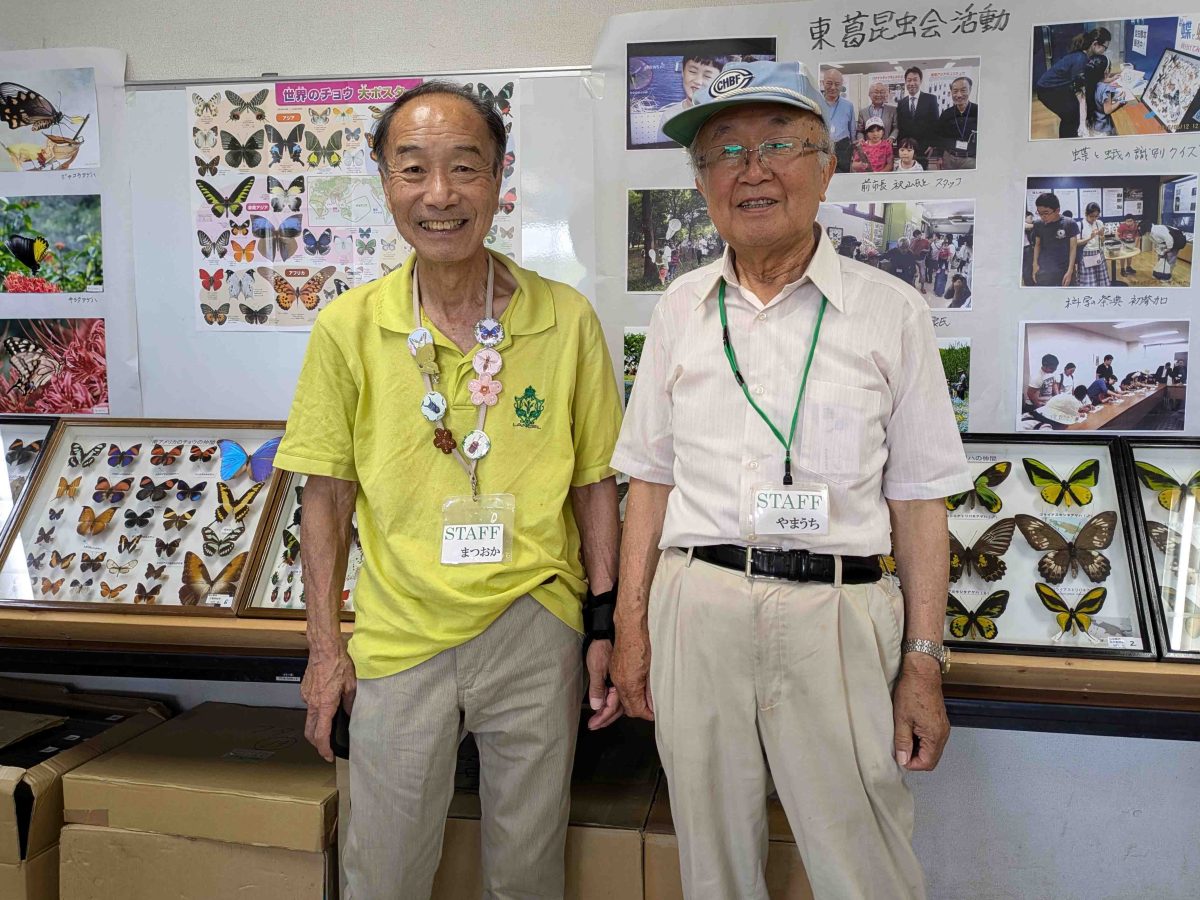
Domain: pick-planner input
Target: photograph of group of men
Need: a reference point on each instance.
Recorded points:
(1115, 78)
(1123, 375)
(1109, 230)
(902, 116)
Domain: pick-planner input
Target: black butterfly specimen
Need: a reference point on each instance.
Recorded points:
(984, 555)
(1081, 553)
(279, 146)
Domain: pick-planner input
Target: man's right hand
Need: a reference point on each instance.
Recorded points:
(328, 681)
(630, 670)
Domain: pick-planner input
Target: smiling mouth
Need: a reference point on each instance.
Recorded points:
(443, 224)
(757, 203)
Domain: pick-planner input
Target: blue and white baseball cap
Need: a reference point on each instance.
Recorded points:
(754, 82)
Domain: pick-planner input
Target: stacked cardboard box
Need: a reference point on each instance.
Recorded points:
(223, 801)
(46, 731)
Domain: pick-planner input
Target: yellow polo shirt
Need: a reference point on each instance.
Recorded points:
(356, 416)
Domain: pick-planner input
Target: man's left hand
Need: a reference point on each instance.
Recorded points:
(602, 697)
(919, 713)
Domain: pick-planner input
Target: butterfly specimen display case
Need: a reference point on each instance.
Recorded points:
(1043, 551)
(1167, 475)
(141, 516)
(24, 438)
(276, 588)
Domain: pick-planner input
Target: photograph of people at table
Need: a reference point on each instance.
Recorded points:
(925, 243)
(1109, 231)
(1115, 78)
(907, 115)
(1128, 375)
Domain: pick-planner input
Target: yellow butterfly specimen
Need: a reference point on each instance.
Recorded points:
(1073, 619)
(90, 523)
(1170, 492)
(67, 488)
(199, 587)
(1074, 490)
(227, 506)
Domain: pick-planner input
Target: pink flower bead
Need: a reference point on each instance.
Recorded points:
(484, 390)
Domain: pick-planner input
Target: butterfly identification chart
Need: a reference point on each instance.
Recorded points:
(288, 206)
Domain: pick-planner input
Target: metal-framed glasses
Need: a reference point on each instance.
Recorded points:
(772, 151)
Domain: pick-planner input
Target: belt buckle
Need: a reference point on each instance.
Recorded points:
(750, 560)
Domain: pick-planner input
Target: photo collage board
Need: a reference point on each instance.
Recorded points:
(934, 116)
(287, 201)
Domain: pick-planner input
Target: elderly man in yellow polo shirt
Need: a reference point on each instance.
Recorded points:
(466, 409)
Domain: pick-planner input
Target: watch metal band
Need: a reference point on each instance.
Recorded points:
(930, 648)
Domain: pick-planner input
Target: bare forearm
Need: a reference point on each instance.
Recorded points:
(645, 510)
(921, 546)
(324, 550)
(595, 507)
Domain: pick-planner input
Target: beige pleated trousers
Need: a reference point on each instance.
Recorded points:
(518, 688)
(757, 680)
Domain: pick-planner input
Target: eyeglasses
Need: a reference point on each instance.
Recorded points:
(772, 151)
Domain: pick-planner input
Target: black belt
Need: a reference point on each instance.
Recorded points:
(791, 565)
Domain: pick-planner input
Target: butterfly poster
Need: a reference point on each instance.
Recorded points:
(288, 207)
(124, 511)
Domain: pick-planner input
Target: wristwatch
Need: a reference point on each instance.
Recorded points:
(930, 648)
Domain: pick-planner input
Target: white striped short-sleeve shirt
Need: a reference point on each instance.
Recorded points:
(876, 421)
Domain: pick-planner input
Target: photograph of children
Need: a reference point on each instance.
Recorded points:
(51, 120)
(664, 76)
(926, 243)
(956, 362)
(1128, 375)
(1109, 231)
(669, 233)
(50, 244)
(635, 339)
(53, 366)
(1115, 78)
(908, 115)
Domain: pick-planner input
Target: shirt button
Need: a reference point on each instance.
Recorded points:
(762, 317)
(753, 464)
(759, 389)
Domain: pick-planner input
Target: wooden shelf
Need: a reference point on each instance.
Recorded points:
(1057, 675)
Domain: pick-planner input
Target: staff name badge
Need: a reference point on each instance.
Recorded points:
(467, 544)
(962, 145)
(477, 530)
(799, 510)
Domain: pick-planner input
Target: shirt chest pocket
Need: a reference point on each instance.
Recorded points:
(840, 430)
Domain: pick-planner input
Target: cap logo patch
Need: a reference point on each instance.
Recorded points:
(730, 80)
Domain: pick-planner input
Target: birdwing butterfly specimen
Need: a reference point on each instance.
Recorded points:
(143, 594)
(135, 519)
(241, 106)
(20, 452)
(205, 107)
(209, 246)
(330, 152)
(91, 524)
(221, 205)
(315, 246)
(206, 168)
(119, 457)
(1063, 555)
(200, 587)
(1170, 491)
(166, 548)
(238, 154)
(1164, 537)
(255, 316)
(68, 488)
(31, 364)
(240, 284)
(243, 252)
(982, 491)
(285, 198)
(279, 145)
(107, 492)
(80, 458)
(216, 545)
(227, 506)
(235, 459)
(985, 554)
(30, 251)
(177, 520)
(278, 241)
(1073, 619)
(508, 202)
(148, 490)
(309, 294)
(205, 138)
(216, 316)
(161, 456)
(1072, 490)
(211, 281)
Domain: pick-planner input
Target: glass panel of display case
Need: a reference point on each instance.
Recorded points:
(1168, 485)
(1041, 556)
(23, 439)
(141, 516)
(277, 588)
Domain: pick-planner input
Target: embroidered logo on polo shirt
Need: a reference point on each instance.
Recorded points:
(528, 408)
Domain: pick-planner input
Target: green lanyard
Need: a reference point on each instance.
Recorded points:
(737, 374)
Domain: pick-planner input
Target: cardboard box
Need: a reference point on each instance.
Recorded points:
(34, 879)
(109, 863)
(222, 771)
(785, 876)
(48, 696)
(34, 760)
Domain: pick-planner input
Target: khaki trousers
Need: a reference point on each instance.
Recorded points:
(760, 680)
(517, 688)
